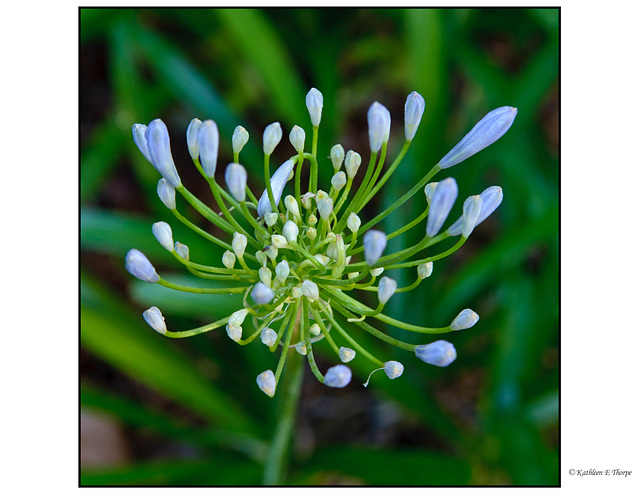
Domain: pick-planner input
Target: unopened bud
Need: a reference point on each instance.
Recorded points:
(182, 250)
(138, 131)
(267, 382)
(239, 138)
(393, 369)
(339, 180)
(234, 332)
(192, 138)
(439, 353)
(279, 241)
(262, 294)
(491, 128)
(466, 319)
(282, 271)
(268, 337)
(345, 354)
(291, 205)
(296, 137)
(374, 242)
(442, 201)
(153, 317)
(413, 110)
(290, 231)
(159, 147)
(379, 120)
(239, 244)
(265, 276)
(271, 137)
(228, 259)
(386, 288)
(338, 376)
(236, 178)
(167, 194)
(208, 142)
(312, 233)
(352, 163)
(428, 191)
(310, 290)
(140, 267)
(337, 156)
(271, 219)
(376, 271)
(314, 103)
(315, 330)
(471, 211)
(353, 222)
(162, 233)
(278, 181)
(425, 269)
(325, 207)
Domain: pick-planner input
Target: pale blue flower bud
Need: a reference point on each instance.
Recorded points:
(267, 382)
(268, 337)
(167, 194)
(439, 353)
(262, 294)
(442, 201)
(337, 376)
(209, 142)
(386, 288)
(393, 369)
(234, 332)
(353, 222)
(470, 212)
(413, 110)
(491, 199)
(140, 267)
(374, 242)
(314, 103)
(315, 329)
(236, 178)
(325, 207)
(239, 139)
(301, 348)
(237, 317)
(162, 232)
(310, 290)
(282, 271)
(425, 270)
(345, 354)
(491, 128)
(379, 120)
(271, 137)
(466, 319)
(339, 180)
(337, 156)
(278, 181)
(290, 231)
(138, 131)
(279, 241)
(296, 138)
(153, 317)
(239, 244)
(228, 259)
(157, 137)
(192, 138)
(265, 276)
(352, 163)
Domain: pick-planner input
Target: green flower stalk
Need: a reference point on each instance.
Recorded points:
(303, 258)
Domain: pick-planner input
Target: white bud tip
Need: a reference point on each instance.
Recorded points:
(314, 103)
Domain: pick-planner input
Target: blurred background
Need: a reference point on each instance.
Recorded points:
(188, 412)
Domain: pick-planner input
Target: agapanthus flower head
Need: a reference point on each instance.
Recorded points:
(486, 132)
(297, 257)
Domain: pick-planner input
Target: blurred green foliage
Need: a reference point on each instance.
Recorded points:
(190, 410)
